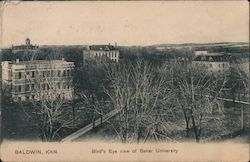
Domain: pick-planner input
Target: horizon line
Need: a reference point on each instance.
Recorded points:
(156, 44)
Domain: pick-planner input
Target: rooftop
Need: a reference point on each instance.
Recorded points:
(27, 45)
(102, 47)
(17, 62)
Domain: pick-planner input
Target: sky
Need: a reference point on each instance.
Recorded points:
(126, 22)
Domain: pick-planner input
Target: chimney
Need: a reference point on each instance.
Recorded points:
(115, 44)
(17, 60)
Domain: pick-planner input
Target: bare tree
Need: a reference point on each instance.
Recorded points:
(141, 94)
(198, 92)
(239, 79)
(48, 95)
(93, 107)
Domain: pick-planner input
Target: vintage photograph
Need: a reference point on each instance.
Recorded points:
(124, 72)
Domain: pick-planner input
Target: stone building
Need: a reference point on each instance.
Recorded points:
(101, 52)
(38, 79)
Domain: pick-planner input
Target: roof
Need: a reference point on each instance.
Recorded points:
(41, 62)
(22, 47)
(102, 47)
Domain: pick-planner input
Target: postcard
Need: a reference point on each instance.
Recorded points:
(124, 81)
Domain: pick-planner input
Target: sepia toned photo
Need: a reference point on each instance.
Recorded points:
(124, 80)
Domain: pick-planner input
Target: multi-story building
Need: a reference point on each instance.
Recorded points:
(27, 47)
(215, 62)
(38, 79)
(101, 52)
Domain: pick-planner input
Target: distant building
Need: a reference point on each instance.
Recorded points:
(198, 53)
(25, 47)
(215, 62)
(101, 52)
(39, 79)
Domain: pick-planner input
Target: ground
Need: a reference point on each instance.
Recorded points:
(18, 125)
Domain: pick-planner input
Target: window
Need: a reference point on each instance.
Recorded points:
(58, 85)
(33, 74)
(210, 65)
(32, 86)
(68, 73)
(115, 54)
(27, 75)
(112, 54)
(27, 88)
(43, 86)
(64, 73)
(19, 88)
(59, 73)
(48, 73)
(19, 75)
(218, 65)
(44, 74)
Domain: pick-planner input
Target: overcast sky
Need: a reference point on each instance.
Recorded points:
(127, 23)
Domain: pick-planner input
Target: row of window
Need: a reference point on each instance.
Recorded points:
(114, 60)
(50, 73)
(33, 96)
(31, 87)
(108, 54)
(219, 65)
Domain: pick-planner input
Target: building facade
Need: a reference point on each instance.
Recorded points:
(214, 62)
(101, 52)
(38, 79)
